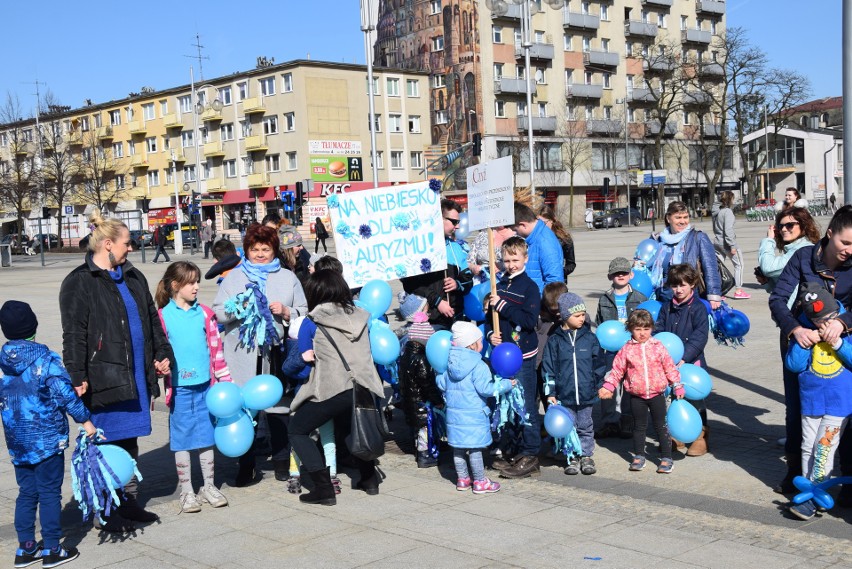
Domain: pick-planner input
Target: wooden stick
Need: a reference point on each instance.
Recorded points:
(492, 263)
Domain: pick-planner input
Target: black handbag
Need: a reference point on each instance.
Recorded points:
(366, 439)
(727, 278)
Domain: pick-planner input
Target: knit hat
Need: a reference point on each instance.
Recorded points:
(420, 330)
(817, 302)
(570, 303)
(466, 334)
(409, 305)
(288, 237)
(314, 258)
(295, 325)
(619, 265)
(17, 320)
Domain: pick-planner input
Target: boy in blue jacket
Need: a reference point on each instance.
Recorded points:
(35, 394)
(574, 367)
(517, 304)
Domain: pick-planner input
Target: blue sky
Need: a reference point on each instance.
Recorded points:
(104, 50)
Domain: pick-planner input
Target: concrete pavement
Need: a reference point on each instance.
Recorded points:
(713, 511)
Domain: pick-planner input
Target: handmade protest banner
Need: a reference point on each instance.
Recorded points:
(388, 233)
(490, 196)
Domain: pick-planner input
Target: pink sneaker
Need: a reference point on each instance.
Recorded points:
(485, 486)
(741, 294)
(463, 484)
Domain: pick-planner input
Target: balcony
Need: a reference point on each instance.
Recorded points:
(177, 156)
(605, 126)
(105, 133)
(75, 139)
(695, 36)
(643, 95)
(636, 28)
(211, 115)
(253, 105)
(585, 91)
(600, 58)
(139, 161)
(659, 65)
(540, 51)
(712, 130)
(22, 149)
(258, 180)
(540, 124)
(710, 7)
(256, 143)
(577, 21)
(213, 150)
(661, 3)
(712, 71)
(696, 99)
(510, 86)
(215, 185)
(513, 13)
(652, 128)
(172, 121)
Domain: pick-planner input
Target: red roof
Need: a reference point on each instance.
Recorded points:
(823, 104)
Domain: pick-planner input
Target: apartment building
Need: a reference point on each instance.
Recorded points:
(620, 86)
(241, 142)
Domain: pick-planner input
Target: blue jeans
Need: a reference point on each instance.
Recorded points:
(40, 486)
(477, 467)
(530, 443)
(582, 417)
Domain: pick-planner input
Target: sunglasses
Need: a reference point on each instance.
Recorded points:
(788, 226)
(455, 222)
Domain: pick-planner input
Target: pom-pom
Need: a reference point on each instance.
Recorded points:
(420, 317)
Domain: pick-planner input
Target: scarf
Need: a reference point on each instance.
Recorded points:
(257, 273)
(671, 253)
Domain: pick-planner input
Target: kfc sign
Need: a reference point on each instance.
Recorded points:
(325, 189)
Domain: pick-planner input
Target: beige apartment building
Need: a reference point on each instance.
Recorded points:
(617, 83)
(242, 141)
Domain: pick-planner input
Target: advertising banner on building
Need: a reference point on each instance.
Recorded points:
(336, 147)
(336, 169)
(490, 196)
(314, 211)
(388, 233)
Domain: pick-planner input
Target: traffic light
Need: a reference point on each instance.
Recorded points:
(287, 200)
(300, 193)
(477, 144)
(606, 185)
(45, 212)
(146, 205)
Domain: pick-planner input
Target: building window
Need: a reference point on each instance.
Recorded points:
(378, 122)
(607, 80)
(189, 173)
(270, 125)
(115, 117)
(540, 77)
(267, 86)
(153, 178)
(84, 124)
(607, 114)
(248, 165)
(571, 112)
(117, 149)
(165, 142)
(128, 112)
(440, 117)
(631, 114)
(243, 90)
(434, 7)
(394, 122)
(185, 104)
(412, 87)
(542, 109)
(500, 109)
(375, 86)
(225, 95)
(289, 122)
(605, 44)
(522, 108)
(497, 34)
(569, 77)
(148, 111)
(416, 159)
(685, 118)
(438, 43)
(230, 168)
(539, 36)
(498, 71)
(164, 108)
(186, 138)
(584, 8)
(590, 112)
(245, 128)
(414, 124)
(628, 49)
(662, 21)
(226, 131)
(684, 23)
(396, 160)
(380, 161)
(168, 175)
(151, 144)
(438, 81)
(291, 161)
(273, 163)
(568, 41)
(604, 12)
(287, 83)
(119, 181)
(393, 87)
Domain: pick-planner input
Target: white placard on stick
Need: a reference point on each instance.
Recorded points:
(490, 196)
(388, 233)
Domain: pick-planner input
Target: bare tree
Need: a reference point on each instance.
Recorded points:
(19, 174)
(664, 93)
(60, 168)
(102, 178)
(576, 154)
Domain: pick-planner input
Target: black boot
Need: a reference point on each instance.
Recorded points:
(323, 492)
(246, 474)
(369, 481)
(131, 510)
(794, 468)
(426, 460)
(282, 470)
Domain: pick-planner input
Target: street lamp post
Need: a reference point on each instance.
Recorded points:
(178, 217)
(199, 108)
(626, 155)
(367, 27)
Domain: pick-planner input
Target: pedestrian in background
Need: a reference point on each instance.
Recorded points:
(207, 236)
(321, 234)
(725, 241)
(159, 243)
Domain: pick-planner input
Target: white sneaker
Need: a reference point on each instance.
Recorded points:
(189, 503)
(212, 496)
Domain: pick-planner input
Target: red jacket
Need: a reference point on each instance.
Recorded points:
(647, 369)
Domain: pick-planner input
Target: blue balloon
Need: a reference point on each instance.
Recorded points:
(473, 307)
(557, 421)
(120, 461)
(735, 323)
(438, 350)
(652, 306)
(376, 297)
(612, 335)
(683, 420)
(641, 281)
(234, 435)
(481, 290)
(384, 345)
(647, 249)
(262, 391)
(463, 228)
(696, 381)
(224, 399)
(674, 345)
(506, 359)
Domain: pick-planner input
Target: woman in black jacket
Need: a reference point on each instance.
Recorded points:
(114, 348)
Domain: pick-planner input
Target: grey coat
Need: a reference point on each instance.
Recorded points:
(723, 227)
(281, 286)
(351, 334)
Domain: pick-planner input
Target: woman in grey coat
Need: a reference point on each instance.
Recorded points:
(251, 340)
(726, 239)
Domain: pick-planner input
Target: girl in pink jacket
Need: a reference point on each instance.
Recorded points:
(647, 369)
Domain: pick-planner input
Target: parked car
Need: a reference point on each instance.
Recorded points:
(48, 240)
(188, 233)
(617, 217)
(139, 237)
(14, 240)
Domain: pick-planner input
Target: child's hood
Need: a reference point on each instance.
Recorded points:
(17, 355)
(462, 362)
